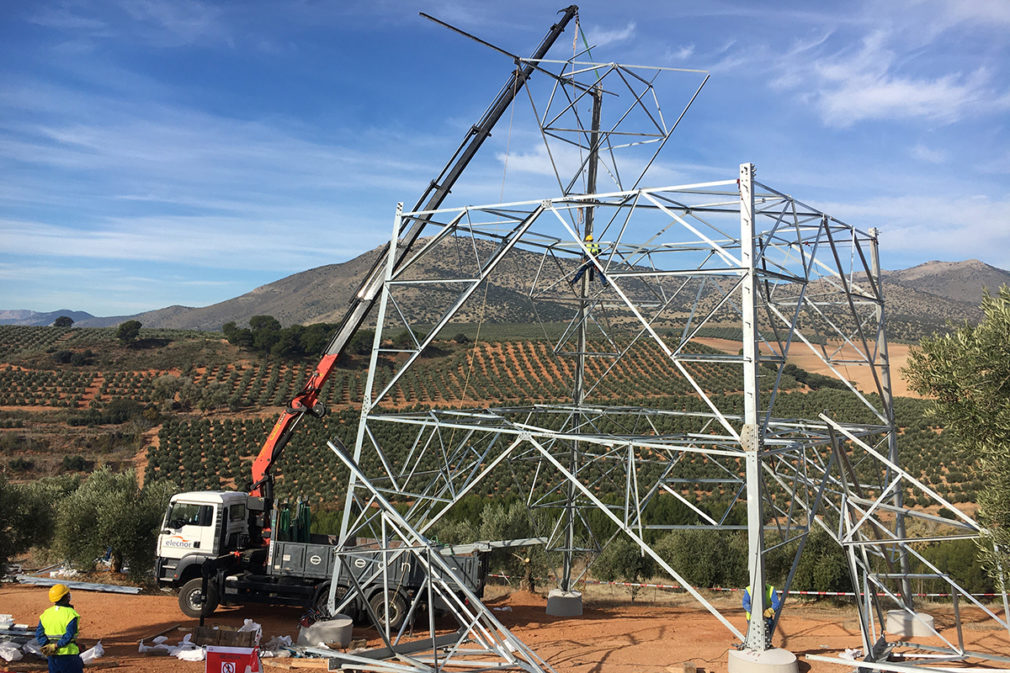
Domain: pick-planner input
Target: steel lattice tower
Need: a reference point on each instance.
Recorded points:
(673, 263)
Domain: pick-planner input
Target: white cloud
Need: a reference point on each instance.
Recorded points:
(62, 18)
(601, 37)
(186, 20)
(682, 53)
(923, 153)
(867, 82)
(930, 225)
(992, 13)
(215, 242)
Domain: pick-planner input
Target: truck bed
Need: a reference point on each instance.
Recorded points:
(311, 560)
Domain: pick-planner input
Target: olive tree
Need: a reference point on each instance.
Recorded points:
(128, 331)
(623, 560)
(28, 513)
(110, 512)
(23, 515)
(510, 521)
(967, 373)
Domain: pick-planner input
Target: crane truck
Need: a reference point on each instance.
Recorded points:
(224, 547)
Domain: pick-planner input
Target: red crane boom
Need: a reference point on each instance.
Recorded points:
(307, 400)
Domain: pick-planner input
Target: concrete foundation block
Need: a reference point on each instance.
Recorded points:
(564, 603)
(774, 660)
(901, 624)
(334, 633)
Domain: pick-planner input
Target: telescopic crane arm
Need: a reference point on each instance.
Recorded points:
(307, 400)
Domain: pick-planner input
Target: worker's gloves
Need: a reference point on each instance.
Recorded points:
(769, 613)
(49, 649)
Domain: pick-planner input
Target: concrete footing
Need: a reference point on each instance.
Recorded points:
(770, 661)
(903, 625)
(334, 632)
(564, 603)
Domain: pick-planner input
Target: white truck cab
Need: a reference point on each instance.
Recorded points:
(198, 525)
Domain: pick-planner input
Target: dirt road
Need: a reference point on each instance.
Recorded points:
(640, 637)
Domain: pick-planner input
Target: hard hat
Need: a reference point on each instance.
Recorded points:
(58, 591)
(589, 237)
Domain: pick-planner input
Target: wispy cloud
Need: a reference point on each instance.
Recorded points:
(991, 13)
(863, 85)
(176, 23)
(683, 53)
(65, 19)
(953, 226)
(601, 37)
(923, 153)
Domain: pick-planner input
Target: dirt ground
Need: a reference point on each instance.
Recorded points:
(647, 636)
(804, 358)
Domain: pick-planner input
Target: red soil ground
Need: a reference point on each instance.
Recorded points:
(640, 637)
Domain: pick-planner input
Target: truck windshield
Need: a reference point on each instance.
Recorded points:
(189, 514)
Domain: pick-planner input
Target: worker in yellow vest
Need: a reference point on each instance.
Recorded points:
(57, 632)
(773, 601)
(772, 604)
(593, 248)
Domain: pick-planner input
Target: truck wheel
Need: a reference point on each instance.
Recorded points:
(190, 601)
(395, 612)
(323, 595)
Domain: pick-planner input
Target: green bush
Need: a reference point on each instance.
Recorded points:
(110, 512)
(823, 566)
(21, 465)
(76, 464)
(26, 516)
(706, 559)
(622, 560)
(959, 559)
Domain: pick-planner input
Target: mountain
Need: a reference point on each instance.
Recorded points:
(316, 295)
(24, 317)
(920, 299)
(959, 281)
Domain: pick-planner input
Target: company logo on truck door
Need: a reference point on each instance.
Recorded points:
(178, 541)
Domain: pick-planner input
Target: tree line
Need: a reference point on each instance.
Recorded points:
(84, 519)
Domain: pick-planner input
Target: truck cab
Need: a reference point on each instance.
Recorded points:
(199, 525)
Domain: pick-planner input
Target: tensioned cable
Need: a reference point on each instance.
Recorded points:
(508, 140)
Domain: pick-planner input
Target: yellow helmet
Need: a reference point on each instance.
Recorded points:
(589, 237)
(58, 591)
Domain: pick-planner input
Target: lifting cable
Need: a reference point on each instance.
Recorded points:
(487, 282)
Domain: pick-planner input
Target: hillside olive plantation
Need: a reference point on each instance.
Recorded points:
(189, 410)
(195, 409)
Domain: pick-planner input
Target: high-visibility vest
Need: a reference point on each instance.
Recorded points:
(593, 248)
(769, 596)
(55, 621)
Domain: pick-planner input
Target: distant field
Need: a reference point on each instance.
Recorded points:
(803, 357)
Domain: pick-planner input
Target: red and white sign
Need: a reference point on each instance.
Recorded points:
(233, 659)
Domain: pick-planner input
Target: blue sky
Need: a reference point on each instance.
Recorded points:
(159, 152)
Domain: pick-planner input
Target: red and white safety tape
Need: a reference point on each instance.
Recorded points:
(643, 585)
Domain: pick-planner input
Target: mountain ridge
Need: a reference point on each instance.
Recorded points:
(931, 293)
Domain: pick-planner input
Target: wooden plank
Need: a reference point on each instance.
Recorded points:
(159, 633)
(291, 663)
